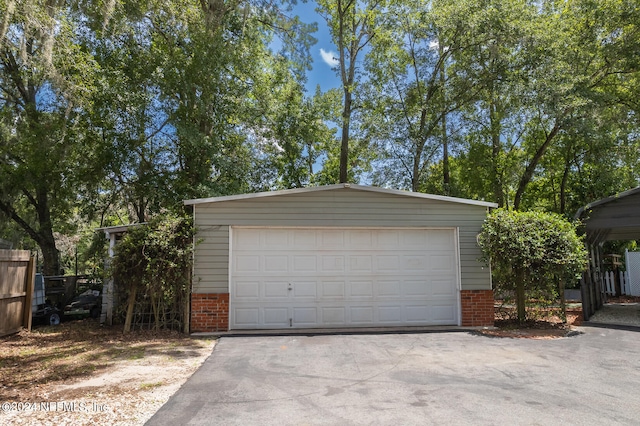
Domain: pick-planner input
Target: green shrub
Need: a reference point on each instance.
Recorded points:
(532, 252)
(154, 260)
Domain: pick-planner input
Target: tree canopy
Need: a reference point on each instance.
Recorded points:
(113, 112)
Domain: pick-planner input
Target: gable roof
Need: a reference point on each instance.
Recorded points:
(343, 187)
(612, 218)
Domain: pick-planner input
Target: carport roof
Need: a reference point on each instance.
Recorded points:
(341, 186)
(118, 229)
(612, 218)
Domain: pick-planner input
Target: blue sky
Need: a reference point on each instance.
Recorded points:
(323, 51)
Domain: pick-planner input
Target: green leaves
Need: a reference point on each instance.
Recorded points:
(153, 261)
(124, 108)
(532, 240)
(155, 257)
(531, 251)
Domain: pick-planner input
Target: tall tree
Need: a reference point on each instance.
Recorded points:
(200, 78)
(45, 148)
(590, 45)
(416, 87)
(351, 25)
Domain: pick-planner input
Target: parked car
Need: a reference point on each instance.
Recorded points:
(87, 304)
(44, 313)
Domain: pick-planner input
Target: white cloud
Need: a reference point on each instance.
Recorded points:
(329, 58)
(435, 45)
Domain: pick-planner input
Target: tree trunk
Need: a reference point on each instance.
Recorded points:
(344, 146)
(43, 236)
(446, 179)
(528, 173)
(496, 150)
(563, 303)
(563, 187)
(520, 296)
(130, 305)
(50, 258)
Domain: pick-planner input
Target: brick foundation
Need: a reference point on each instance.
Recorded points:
(477, 308)
(209, 312)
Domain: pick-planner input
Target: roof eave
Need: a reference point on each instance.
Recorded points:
(339, 186)
(606, 200)
(118, 229)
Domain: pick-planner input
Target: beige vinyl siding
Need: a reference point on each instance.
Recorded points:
(211, 258)
(346, 208)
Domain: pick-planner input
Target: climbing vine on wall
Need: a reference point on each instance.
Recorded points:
(152, 266)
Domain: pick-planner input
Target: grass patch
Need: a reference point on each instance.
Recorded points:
(147, 386)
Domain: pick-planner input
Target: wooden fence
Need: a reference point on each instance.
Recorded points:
(593, 294)
(17, 275)
(610, 283)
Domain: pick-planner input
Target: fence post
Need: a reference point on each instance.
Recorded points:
(30, 280)
(624, 280)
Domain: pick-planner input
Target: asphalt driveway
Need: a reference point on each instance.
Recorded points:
(402, 379)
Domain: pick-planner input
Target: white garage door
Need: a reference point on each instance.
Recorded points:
(317, 278)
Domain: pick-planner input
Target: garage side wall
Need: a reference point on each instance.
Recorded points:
(337, 208)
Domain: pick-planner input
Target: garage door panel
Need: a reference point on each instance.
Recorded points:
(388, 239)
(332, 239)
(246, 317)
(304, 239)
(332, 289)
(361, 239)
(274, 239)
(246, 263)
(389, 288)
(415, 263)
(415, 288)
(443, 313)
(305, 316)
(390, 314)
(334, 315)
(442, 262)
(342, 277)
(442, 288)
(361, 263)
(275, 263)
(387, 263)
(276, 289)
(414, 240)
(305, 289)
(439, 238)
(416, 313)
(361, 289)
(362, 315)
(332, 263)
(247, 240)
(248, 290)
(304, 263)
(276, 317)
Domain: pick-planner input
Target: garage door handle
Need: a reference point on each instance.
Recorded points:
(290, 288)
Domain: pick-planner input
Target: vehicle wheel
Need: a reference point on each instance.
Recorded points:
(54, 319)
(95, 312)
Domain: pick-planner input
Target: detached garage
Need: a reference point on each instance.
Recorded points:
(338, 256)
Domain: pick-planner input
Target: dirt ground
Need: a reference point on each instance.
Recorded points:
(79, 373)
(546, 325)
(623, 299)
